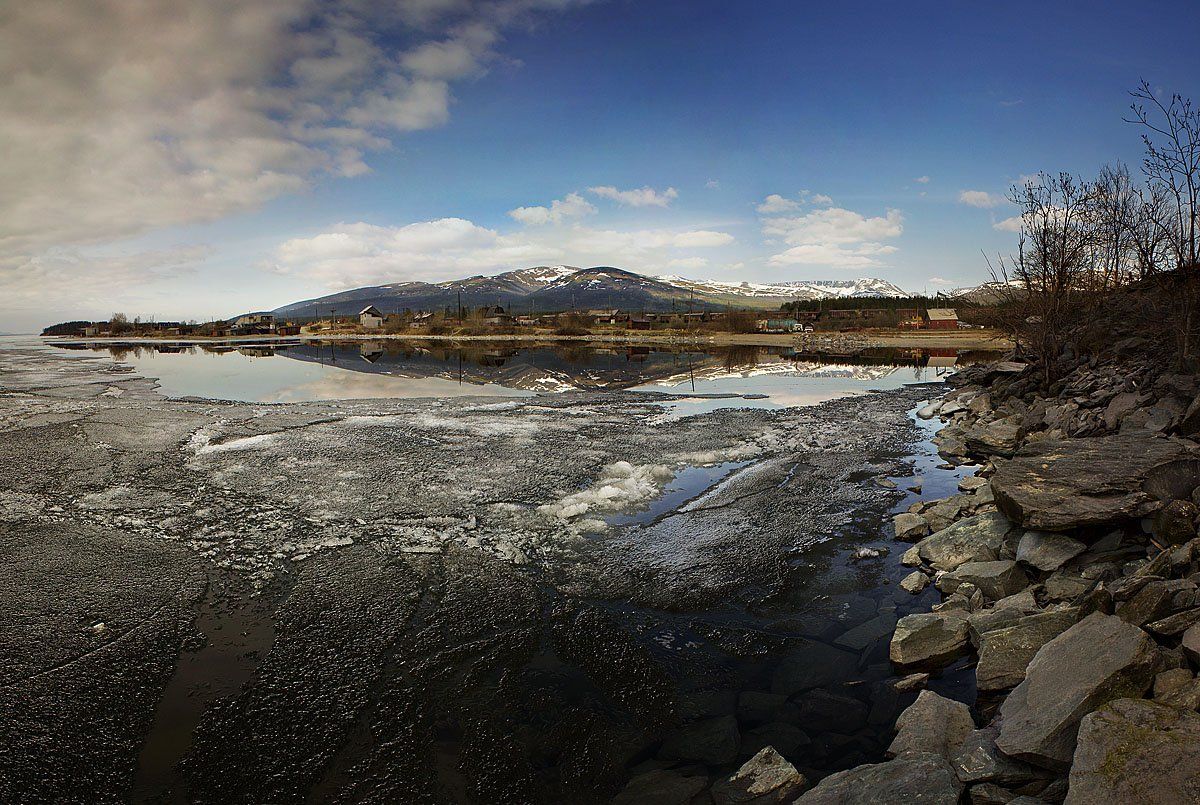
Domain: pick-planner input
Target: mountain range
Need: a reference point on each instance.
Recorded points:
(557, 288)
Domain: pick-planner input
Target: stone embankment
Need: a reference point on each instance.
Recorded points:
(1069, 567)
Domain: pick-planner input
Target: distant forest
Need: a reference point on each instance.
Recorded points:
(871, 303)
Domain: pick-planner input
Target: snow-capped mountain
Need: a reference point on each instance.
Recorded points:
(558, 288)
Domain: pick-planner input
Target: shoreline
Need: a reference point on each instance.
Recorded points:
(860, 341)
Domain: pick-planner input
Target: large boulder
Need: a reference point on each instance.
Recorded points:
(1060, 484)
(997, 579)
(974, 539)
(1005, 653)
(1097, 660)
(1136, 751)
(910, 527)
(915, 778)
(1047, 551)
(932, 723)
(999, 437)
(764, 779)
(929, 640)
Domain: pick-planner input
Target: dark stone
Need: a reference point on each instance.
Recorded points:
(713, 741)
(813, 666)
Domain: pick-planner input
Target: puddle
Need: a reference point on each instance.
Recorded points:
(687, 485)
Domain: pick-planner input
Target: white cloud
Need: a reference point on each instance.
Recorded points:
(922, 180)
(820, 199)
(940, 281)
(572, 206)
(351, 255)
(713, 184)
(642, 197)
(121, 118)
(776, 203)
(1012, 224)
(834, 237)
(979, 198)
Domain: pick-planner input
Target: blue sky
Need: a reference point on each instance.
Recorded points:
(402, 141)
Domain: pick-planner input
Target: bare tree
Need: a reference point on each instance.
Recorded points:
(1172, 164)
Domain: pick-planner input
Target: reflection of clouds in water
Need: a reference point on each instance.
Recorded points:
(345, 385)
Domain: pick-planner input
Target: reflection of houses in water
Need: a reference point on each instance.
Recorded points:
(257, 351)
(371, 351)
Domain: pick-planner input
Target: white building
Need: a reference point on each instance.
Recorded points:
(370, 318)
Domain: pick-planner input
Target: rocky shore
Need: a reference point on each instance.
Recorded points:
(1068, 567)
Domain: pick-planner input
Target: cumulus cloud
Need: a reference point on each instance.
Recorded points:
(834, 237)
(922, 180)
(641, 197)
(940, 281)
(572, 206)
(979, 198)
(120, 118)
(1012, 224)
(355, 254)
(776, 203)
(820, 199)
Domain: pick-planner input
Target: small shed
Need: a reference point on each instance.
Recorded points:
(941, 318)
(370, 318)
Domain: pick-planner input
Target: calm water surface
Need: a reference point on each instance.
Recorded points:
(292, 372)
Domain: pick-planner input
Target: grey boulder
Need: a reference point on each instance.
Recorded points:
(1046, 550)
(1097, 660)
(917, 778)
(932, 723)
(974, 539)
(661, 786)
(764, 779)
(929, 640)
(1005, 653)
(1136, 751)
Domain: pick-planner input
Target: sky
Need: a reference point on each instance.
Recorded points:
(195, 159)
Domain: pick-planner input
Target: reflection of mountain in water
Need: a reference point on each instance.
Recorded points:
(560, 367)
(557, 367)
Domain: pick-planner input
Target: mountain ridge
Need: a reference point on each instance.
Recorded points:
(556, 288)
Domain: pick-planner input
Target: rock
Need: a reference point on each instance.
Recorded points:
(1118, 407)
(1175, 480)
(943, 513)
(932, 723)
(1099, 659)
(1066, 586)
(971, 483)
(1174, 624)
(661, 785)
(998, 579)
(978, 760)
(1170, 681)
(989, 794)
(765, 779)
(786, 738)
(914, 582)
(1151, 603)
(712, 741)
(1190, 643)
(997, 438)
(867, 633)
(910, 527)
(813, 666)
(975, 539)
(929, 640)
(1025, 600)
(911, 682)
(1056, 484)
(1047, 551)
(1005, 653)
(757, 707)
(913, 779)
(1175, 522)
(987, 620)
(911, 557)
(1187, 697)
(1136, 751)
(822, 711)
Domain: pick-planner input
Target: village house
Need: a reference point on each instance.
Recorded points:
(941, 318)
(254, 324)
(421, 319)
(370, 318)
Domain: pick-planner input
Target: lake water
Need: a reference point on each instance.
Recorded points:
(293, 372)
